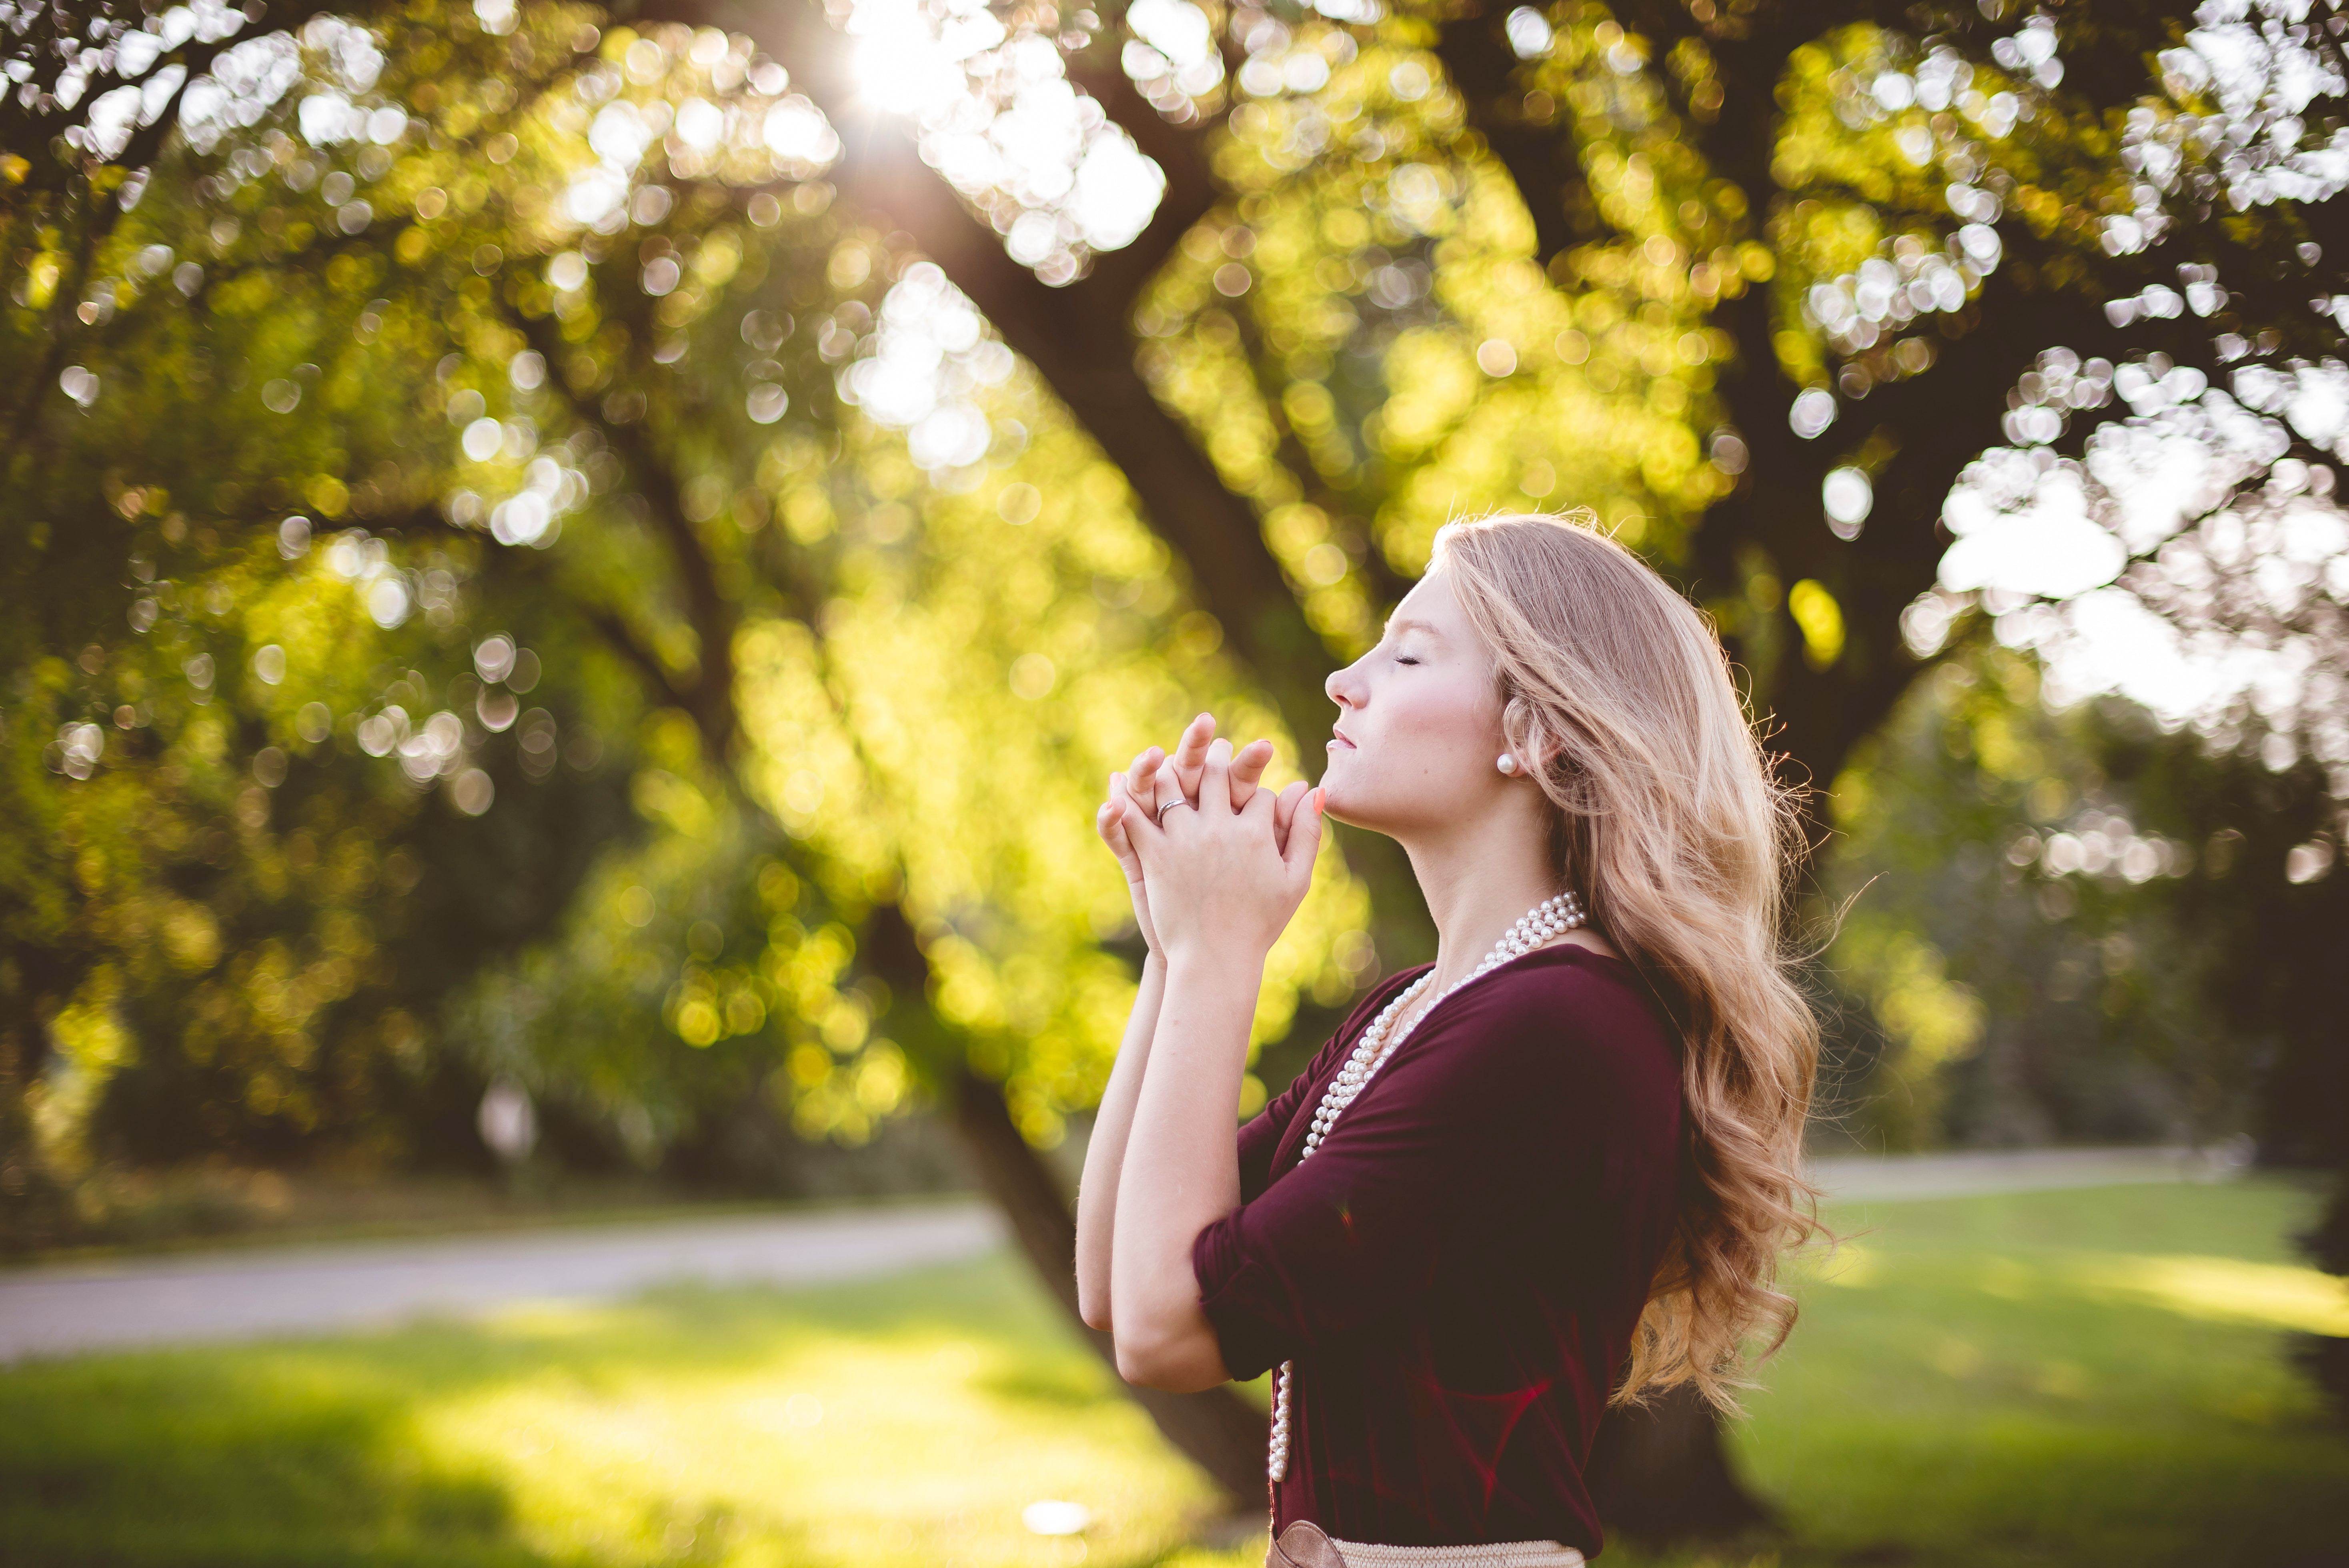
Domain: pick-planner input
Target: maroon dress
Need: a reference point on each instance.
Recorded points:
(1458, 1268)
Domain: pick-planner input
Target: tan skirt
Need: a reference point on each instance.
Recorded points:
(1303, 1545)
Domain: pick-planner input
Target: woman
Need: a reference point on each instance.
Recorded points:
(1556, 1167)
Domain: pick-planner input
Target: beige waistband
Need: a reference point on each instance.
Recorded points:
(1494, 1555)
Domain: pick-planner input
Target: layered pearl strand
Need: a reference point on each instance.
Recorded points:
(1547, 921)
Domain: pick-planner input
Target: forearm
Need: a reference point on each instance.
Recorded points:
(1105, 1152)
(1181, 1169)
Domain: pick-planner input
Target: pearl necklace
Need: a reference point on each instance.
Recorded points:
(1549, 919)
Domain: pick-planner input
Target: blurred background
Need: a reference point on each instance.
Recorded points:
(570, 574)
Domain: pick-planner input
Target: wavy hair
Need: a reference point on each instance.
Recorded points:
(1681, 842)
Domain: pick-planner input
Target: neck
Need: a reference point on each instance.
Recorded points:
(1478, 877)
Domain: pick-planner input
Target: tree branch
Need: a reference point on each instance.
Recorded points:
(708, 693)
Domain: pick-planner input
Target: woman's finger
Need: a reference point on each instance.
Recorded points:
(1216, 781)
(1142, 825)
(1113, 834)
(1304, 841)
(1135, 786)
(1191, 754)
(1110, 822)
(1141, 781)
(1248, 771)
(1284, 810)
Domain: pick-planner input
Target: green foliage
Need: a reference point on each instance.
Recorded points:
(1367, 346)
(2260, 920)
(471, 629)
(949, 734)
(457, 454)
(267, 917)
(2021, 942)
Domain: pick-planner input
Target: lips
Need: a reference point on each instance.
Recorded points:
(1338, 740)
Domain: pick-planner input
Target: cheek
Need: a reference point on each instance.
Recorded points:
(1439, 729)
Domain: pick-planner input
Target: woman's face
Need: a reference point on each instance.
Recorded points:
(1419, 731)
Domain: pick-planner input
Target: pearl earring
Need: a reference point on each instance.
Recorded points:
(1507, 764)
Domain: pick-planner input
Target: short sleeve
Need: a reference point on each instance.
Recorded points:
(1496, 1126)
(1260, 1135)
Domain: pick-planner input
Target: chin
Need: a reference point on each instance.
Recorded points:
(1339, 784)
(1348, 801)
(1366, 816)
(1352, 794)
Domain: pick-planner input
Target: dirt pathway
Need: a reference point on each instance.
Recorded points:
(255, 1292)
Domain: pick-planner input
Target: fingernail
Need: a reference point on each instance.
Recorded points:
(1316, 798)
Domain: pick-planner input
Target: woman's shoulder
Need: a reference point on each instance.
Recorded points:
(1565, 1009)
(1568, 966)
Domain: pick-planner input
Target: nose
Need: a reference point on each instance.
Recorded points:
(1344, 687)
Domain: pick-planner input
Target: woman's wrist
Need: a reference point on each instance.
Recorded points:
(1216, 959)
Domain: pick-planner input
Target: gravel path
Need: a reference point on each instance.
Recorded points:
(255, 1292)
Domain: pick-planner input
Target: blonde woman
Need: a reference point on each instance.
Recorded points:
(1553, 1170)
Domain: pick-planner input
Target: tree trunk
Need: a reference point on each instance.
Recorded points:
(2325, 1356)
(1660, 1474)
(35, 1210)
(1218, 1430)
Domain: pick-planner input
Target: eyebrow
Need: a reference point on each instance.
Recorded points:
(1406, 623)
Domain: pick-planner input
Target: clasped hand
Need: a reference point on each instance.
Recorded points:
(1213, 860)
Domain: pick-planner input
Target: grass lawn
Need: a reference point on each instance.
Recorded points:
(2083, 1377)
(2088, 1377)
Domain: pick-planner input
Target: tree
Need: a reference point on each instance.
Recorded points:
(2017, 927)
(637, 416)
(2191, 553)
(1397, 265)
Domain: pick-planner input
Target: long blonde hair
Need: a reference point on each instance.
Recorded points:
(1672, 826)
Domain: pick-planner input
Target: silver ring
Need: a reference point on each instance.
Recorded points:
(1169, 806)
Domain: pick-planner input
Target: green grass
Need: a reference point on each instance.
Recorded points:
(2085, 1378)
(2088, 1379)
(902, 1422)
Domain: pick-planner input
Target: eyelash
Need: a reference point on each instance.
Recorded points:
(1405, 659)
